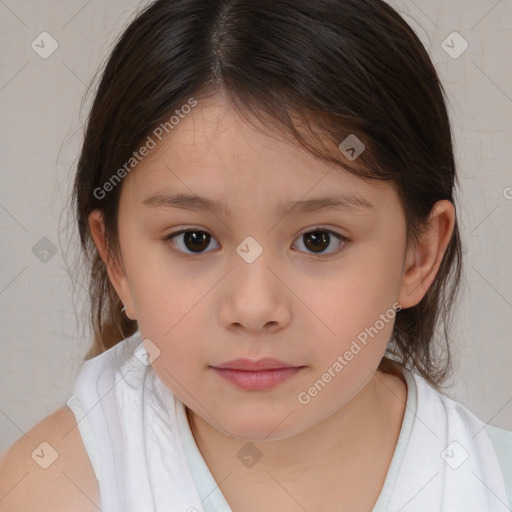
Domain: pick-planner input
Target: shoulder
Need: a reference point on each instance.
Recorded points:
(48, 469)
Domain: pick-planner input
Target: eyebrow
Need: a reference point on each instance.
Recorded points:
(196, 203)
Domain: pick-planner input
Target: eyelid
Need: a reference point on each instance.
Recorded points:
(320, 227)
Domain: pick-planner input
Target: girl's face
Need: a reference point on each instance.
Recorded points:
(247, 281)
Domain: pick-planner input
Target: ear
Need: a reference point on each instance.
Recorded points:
(115, 270)
(424, 257)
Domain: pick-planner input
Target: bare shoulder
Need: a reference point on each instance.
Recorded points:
(48, 469)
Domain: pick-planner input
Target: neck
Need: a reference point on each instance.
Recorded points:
(368, 425)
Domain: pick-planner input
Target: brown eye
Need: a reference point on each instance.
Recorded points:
(318, 240)
(195, 241)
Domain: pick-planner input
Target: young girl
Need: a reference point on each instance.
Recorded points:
(265, 199)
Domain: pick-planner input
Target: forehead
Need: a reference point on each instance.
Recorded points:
(213, 151)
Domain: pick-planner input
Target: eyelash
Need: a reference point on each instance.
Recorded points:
(344, 240)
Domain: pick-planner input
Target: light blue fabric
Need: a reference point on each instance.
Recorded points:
(209, 491)
(502, 442)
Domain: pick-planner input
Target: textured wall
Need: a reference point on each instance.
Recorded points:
(44, 330)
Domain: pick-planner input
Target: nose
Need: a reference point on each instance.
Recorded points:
(254, 298)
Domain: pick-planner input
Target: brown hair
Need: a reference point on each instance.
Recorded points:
(338, 67)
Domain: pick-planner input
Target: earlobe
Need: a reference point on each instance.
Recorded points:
(424, 257)
(115, 273)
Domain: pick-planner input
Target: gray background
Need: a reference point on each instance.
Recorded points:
(45, 331)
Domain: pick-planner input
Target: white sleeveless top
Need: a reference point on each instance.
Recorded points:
(145, 458)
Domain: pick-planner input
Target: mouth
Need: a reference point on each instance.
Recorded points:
(257, 375)
(266, 363)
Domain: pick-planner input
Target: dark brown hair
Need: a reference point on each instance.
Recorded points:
(317, 71)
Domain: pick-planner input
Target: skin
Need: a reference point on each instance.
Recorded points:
(290, 303)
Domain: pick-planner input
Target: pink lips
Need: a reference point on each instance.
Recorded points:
(257, 375)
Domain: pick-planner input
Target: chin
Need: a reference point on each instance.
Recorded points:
(260, 429)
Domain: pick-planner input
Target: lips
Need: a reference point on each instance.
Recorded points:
(267, 363)
(258, 375)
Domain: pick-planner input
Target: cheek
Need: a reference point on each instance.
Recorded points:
(181, 354)
(163, 289)
(356, 304)
(171, 313)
